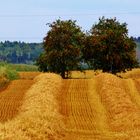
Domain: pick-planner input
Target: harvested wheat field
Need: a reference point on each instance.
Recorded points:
(38, 117)
(28, 75)
(11, 98)
(104, 107)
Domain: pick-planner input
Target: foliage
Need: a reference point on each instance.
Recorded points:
(19, 67)
(23, 67)
(137, 39)
(108, 47)
(41, 62)
(138, 50)
(19, 52)
(9, 74)
(62, 47)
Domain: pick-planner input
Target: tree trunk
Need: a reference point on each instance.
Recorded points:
(63, 74)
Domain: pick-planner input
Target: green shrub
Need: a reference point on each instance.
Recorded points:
(12, 74)
(8, 73)
(2, 72)
(23, 67)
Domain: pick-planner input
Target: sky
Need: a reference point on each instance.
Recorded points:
(25, 20)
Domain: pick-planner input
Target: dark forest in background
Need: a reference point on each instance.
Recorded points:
(27, 53)
(137, 40)
(20, 52)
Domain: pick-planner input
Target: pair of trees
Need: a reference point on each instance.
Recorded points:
(107, 47)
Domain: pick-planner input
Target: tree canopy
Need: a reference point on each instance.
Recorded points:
(108, 47)
(62, 46)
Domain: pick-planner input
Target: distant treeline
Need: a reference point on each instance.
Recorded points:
(137, 39)
(20, 52)
(27, 53)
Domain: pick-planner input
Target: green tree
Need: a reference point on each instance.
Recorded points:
(62, 46)
(41, 62)
(108, 47)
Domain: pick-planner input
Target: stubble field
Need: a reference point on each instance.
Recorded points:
(93, 106)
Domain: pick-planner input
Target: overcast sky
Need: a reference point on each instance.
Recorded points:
(25, 20)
